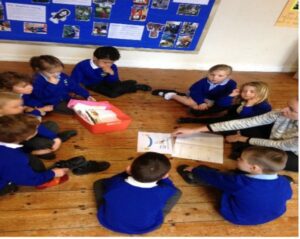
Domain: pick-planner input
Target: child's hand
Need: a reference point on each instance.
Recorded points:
(47, 108)
(189, 169)
(107, 69)
(56, 145)
(59, 172)
(90, 98)
(236, 138)
(235, 93)
(203, 106)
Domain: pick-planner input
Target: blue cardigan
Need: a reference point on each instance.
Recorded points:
(15, 168)
(246, 200)
(85, 74)
(45, 93)
(133, 210)
(220, 94)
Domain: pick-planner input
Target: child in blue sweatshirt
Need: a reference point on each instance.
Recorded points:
(255, 195)
(52, 87)
(16, 167)
(209, 95)
(100, 74)
(136, 201)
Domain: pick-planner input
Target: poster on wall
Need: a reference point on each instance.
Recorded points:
(289, 15)
(151, 24)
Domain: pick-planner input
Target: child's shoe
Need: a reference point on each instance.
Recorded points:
(189, 178)
(71, 163)
(48, 156)
(55, 181)
(143, 87)
(65, 135)
(162, 92)
(91, 167)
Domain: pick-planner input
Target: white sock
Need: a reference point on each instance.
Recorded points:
(169, 95)
(161, 93)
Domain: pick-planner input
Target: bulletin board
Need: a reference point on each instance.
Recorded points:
(154, 24)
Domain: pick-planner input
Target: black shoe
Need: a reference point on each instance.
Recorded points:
(48, 156)
(91, 167)
(65, 135)
(183, 120)
(10, 188)
(143, 87)
(71, 163)
(289, 178)
(162, 92)
(186, 175)
(196, 112)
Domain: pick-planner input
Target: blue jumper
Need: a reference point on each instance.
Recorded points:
(248, 199)
(15, 168)
(46, 93)
(258, 109)
(87, 73)
(199, 91)
(131, 209)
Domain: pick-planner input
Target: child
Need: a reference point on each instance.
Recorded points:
(253, 100)
(137, 200)
(283, 135)
(47, 140)
(51, 86)
(100, 74)
(208, 95)
(253, 198)
(16, 168)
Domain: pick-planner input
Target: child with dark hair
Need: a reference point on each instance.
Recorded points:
(137, 200)
(16, 167)
(51, 86)
(257, 196)
(100, 74)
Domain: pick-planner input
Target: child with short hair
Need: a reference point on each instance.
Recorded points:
(252, 101)
(209, 95)
(253, 198)
(51, 86)
(137, 200)
(100, 74)
(17, 168)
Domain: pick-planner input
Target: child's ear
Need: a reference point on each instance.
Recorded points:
(128, 169)
(256, 169)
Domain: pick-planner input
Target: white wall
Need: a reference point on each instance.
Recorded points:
(241, 33)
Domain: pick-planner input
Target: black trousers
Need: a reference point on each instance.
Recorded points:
(39, 142)
(62, 108)
(115, 89)
(211, 110)
(35, 163)
(99, 190)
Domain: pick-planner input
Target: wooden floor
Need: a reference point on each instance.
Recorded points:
(69, 209)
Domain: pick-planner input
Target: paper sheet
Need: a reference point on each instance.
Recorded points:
(203, 2)
(25, 12)
(155, 142)
(74, 2)
(125, 31)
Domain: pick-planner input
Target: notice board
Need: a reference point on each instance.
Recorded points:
(154, 24)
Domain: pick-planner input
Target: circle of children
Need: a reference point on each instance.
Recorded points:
(264, 141)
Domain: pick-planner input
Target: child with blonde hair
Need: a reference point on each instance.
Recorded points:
(208, 95)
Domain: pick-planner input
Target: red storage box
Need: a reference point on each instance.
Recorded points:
(122, 123)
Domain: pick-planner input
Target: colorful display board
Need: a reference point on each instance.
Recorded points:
(155, 24)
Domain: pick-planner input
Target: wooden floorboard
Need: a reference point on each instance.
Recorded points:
(69, 209)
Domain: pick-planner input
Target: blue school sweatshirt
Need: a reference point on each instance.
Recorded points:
(87, 73)
(46, 93)
(220, 94)
(248, 199)
(131, 209)
(258, 109)
(15, 168)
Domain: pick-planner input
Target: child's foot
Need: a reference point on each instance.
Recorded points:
(48, 156)
(65, 135)
(186, 175)
(162, 92)
(54, 182)
(169, 95)
(91, 167)
(143, 87)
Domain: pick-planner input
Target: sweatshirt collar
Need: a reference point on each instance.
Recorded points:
(130, 180)
(93, 65)
(11, 145)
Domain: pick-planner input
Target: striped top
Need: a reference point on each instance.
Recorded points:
(284, 134)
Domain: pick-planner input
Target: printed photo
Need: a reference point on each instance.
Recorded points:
(111, 2)
(189, 28)
(103, 10)
(37, 28)
(138, 13)
(100, 29)
(167, 40)
(172, 27)
(71, 31)
(141, 2)
(188, 9)
(1, 12)
(184, 41)
(82, 13)
(5, 26)
(59, 16)
(40, 1)
(154, 29)
(160, 4)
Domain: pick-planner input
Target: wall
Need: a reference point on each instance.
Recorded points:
(240, 33)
